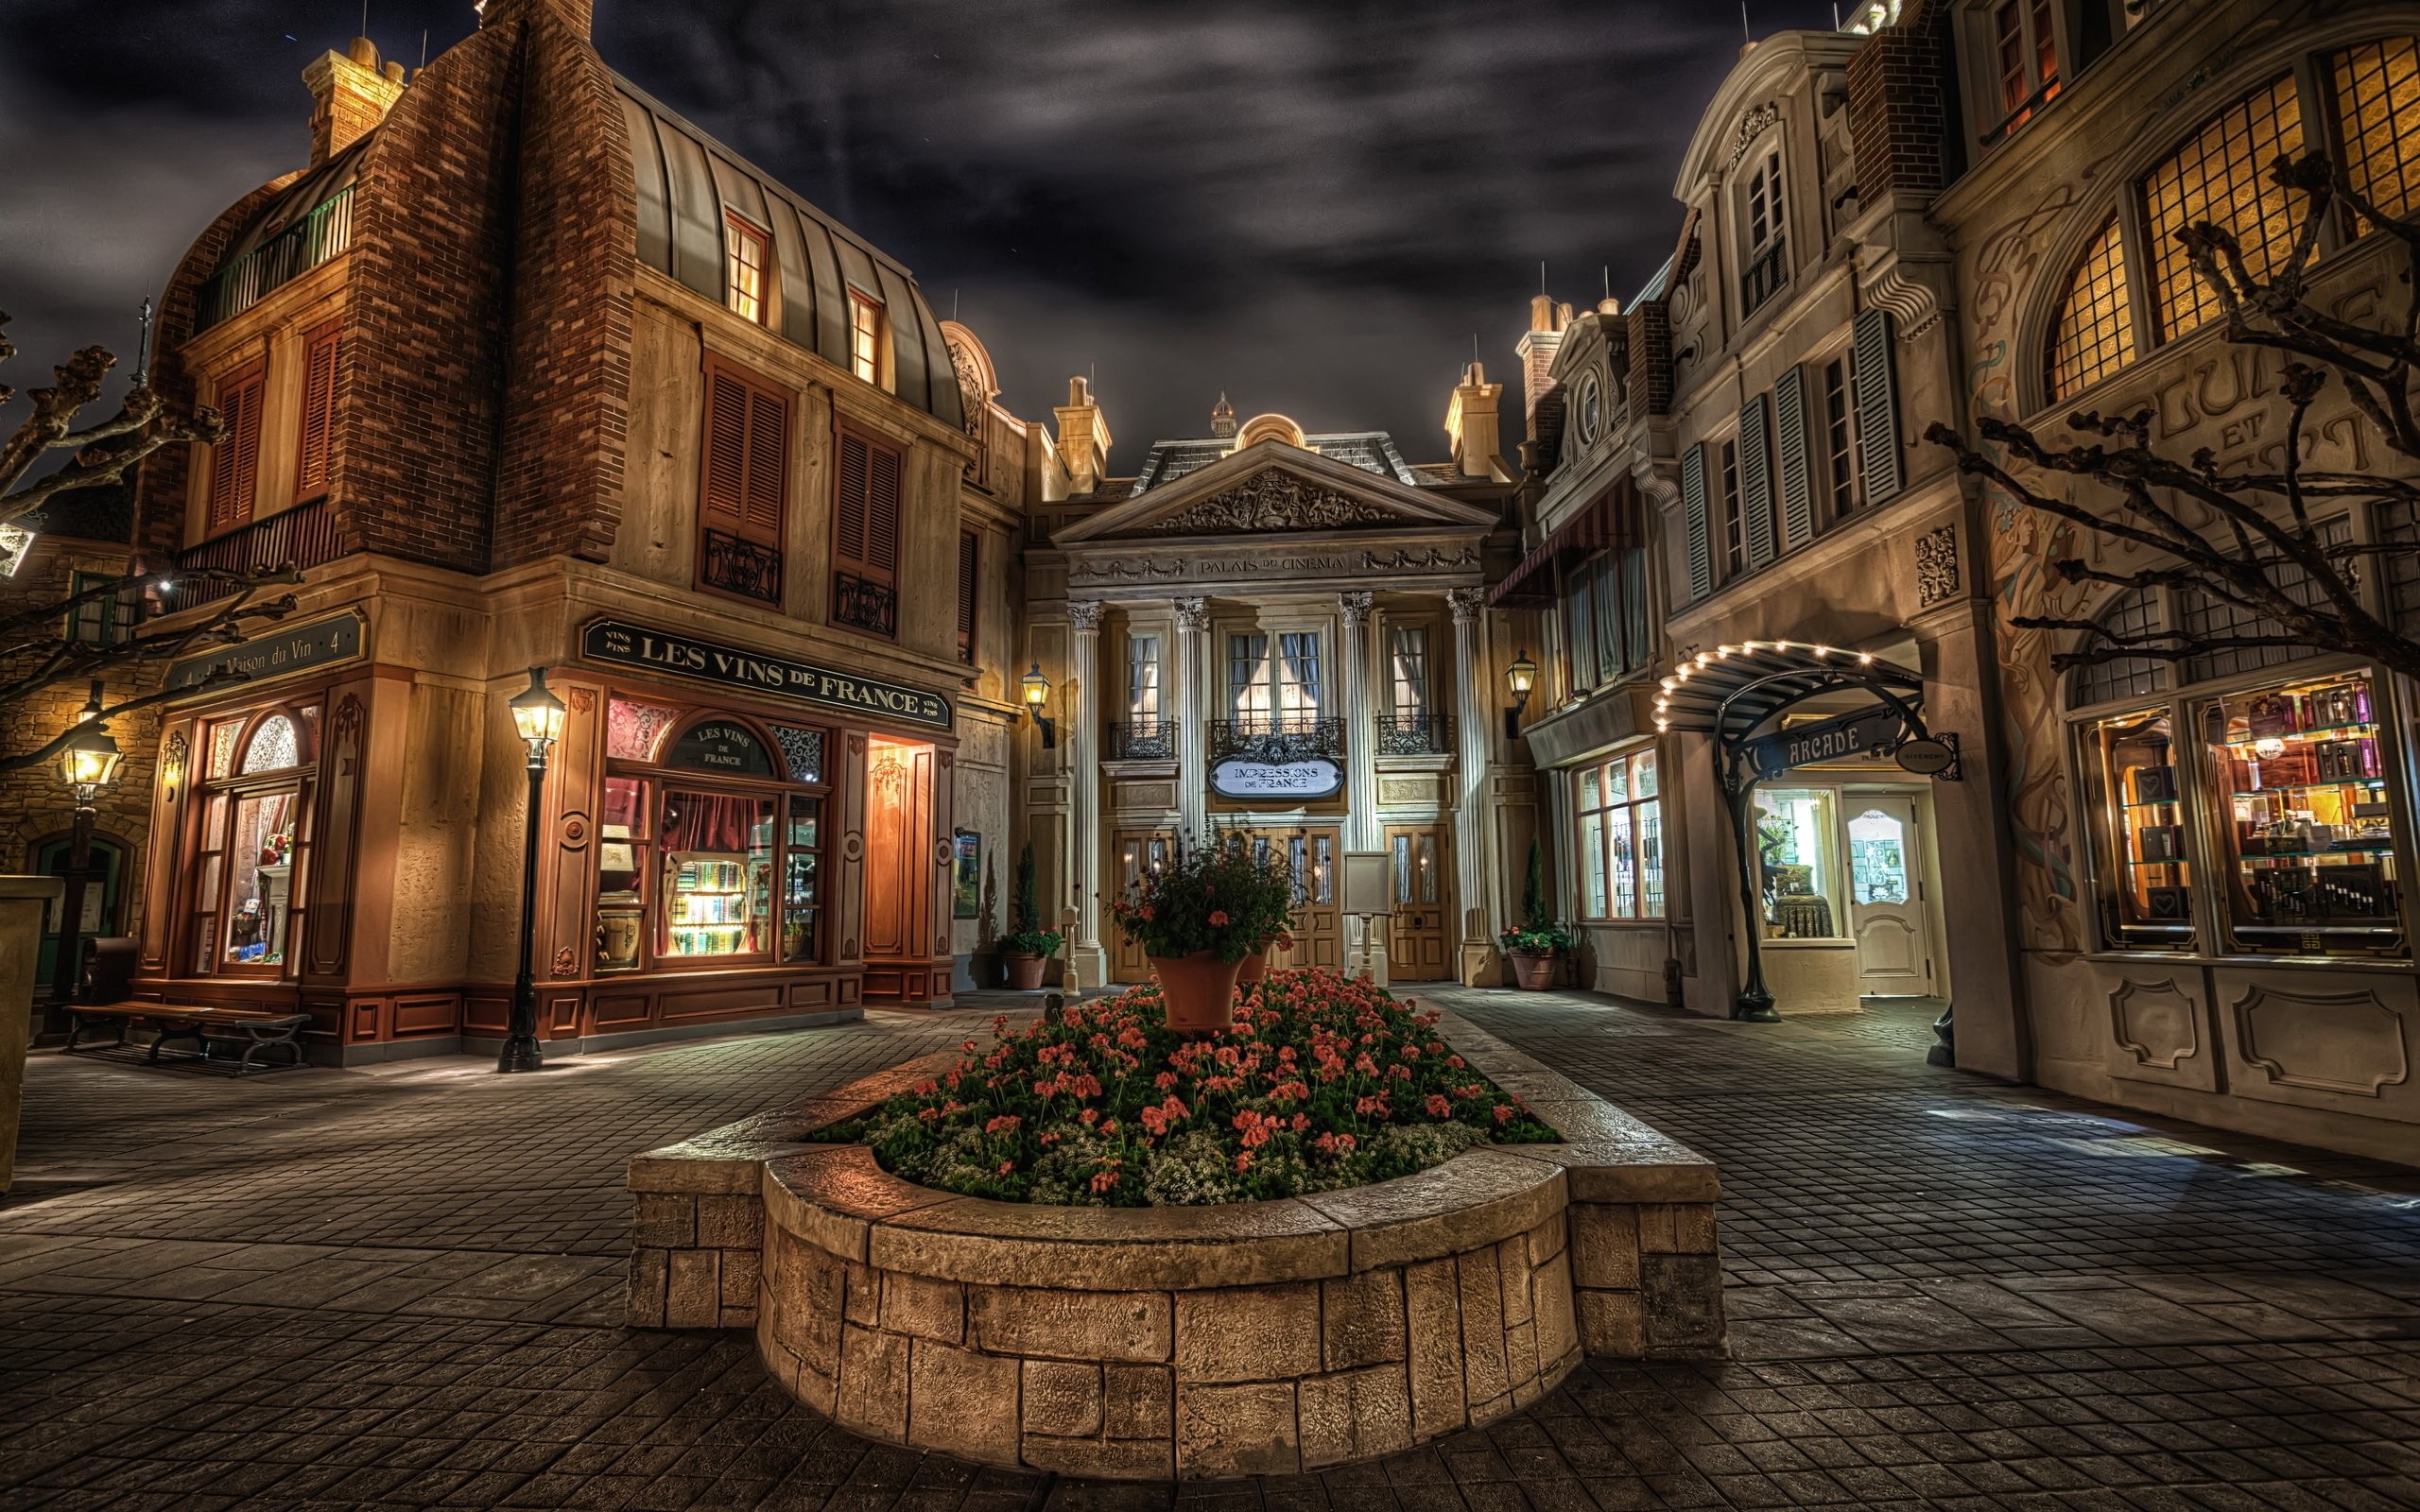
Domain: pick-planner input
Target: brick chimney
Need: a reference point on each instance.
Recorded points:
(1536, 349)
(350, 95)
(580, 15)
(1471, 427)
(1084, 438)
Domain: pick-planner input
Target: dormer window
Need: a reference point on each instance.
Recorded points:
(744, 266)
(2025, 54)
(864, 338)
(1591, 410)
(1763, 261)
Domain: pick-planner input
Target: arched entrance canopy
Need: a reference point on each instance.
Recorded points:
(1737, 695)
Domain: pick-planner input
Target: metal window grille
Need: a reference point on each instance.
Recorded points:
(2221, 175)
(2135, 611)
(2377, 113)
(2093, 338)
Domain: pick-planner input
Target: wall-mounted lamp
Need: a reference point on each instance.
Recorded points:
(1520, 677)
(1037, 693)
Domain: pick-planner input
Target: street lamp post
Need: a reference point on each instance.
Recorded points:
(537, 718)
(88, 763)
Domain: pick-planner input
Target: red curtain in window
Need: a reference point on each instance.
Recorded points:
(708, 822)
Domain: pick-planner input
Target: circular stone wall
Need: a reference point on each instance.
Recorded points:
(1145, 1343)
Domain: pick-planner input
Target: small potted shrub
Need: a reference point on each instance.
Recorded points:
(1025, 950)
(1198, 918)
(1534, 945)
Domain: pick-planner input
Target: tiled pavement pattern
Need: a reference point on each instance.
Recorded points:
(396, 1289)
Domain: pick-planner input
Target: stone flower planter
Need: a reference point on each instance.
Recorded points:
(1145, 1344)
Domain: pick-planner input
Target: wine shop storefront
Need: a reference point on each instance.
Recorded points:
(726, 836)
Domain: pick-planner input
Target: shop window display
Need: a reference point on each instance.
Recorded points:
(2145, 882)
(1799, 862)
(1622, 838)
(251, 842)
(2307, 828)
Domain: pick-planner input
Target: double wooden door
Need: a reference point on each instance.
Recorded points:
(1417, 933)
(1313, 856)
(1139, 853)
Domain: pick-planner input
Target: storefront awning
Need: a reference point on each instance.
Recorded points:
(1732, 692)
(1608, 523)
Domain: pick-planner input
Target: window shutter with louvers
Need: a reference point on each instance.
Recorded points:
(234, 463)
(1693, 510)
(970, 564)
(1756, 479)
(321, 351)
(743, 490)
(768, 485)
(865, 535)
(1790, 448)
(726, 476)
(1877, 406)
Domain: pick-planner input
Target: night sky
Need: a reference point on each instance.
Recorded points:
(1312, 207)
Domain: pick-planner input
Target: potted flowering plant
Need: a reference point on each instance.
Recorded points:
(1024, 949)
(1535, 943)
(1198, 918)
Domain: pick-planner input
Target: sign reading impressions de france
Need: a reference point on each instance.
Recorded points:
(298, 649)
(1848, 735)
(686, 656)
(1310, 778)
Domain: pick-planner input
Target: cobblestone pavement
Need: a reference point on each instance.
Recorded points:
(398, 1288)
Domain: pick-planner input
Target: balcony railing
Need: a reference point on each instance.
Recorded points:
(1276, 738)
(742, 567)
(865, 606)
(1143, 740)
(1768, 270)
(321, 234)
(1415, 734)
(305, 536)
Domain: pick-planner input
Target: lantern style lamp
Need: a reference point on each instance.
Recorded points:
(1521, 677)
(1037, 693)
(86, 764)
(538, 719)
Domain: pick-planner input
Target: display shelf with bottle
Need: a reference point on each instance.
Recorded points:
(2310, 831)
(2146, 882)
(710, 911)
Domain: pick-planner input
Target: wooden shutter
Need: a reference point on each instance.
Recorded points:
(747, 461)
(1756, 480)
(970, 564)
(1790, 446)
(866, 513)
(1877, 406)
(768, 486)
(235, 462)
(1693, 510)
(322, 348)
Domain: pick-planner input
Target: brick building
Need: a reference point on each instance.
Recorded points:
(526, 371)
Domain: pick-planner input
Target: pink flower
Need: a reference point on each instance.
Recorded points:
(1217, 919)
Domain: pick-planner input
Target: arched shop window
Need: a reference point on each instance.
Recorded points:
(710, 844)
(2237, 803)
(2094, 334)
(252, 841)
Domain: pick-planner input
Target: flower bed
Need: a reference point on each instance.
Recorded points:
(1321, 1083)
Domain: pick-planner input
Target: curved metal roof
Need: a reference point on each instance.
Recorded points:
(1732, 690)
(311, 189)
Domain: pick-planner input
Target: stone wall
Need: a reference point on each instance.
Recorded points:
(1268, 1337)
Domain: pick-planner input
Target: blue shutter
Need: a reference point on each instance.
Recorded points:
(1693, 507)
(1877, 406)
(1756, 480)
(1790, 445)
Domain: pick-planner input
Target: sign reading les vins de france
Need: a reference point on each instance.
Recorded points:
(686, 656)
(718, 746)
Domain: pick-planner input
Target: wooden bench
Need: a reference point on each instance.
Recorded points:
(103, 1001)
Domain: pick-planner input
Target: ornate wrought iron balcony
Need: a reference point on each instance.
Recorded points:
(1276, 738)
(1415, 734)
(305, 536)
(742, 567)
(1143, 740)
(864, 606)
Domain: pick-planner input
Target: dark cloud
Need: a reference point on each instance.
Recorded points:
(1312, 207)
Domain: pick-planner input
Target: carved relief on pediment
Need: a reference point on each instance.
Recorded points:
(1269, 502)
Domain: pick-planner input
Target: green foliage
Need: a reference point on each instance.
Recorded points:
(1543, 939)
(1533, 889)
(1321, 1083)
(1026, 904)
(1226, 897)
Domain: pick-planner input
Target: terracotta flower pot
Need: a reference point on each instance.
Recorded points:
(1251, 969)
(1533, 970)
(1024, 970)
(1198, 990)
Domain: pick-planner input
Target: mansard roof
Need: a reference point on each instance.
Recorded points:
(688, 183)
(1370, 451)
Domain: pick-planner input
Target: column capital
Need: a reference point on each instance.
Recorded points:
(1355, 608)
(1083, 615)
(1466, 603)
(1192, 613)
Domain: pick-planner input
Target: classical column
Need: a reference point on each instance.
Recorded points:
(1360, 724)
(1192, 729)
(1085, 958)
(1474, 842)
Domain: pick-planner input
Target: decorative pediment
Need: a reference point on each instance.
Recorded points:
(1272, 500)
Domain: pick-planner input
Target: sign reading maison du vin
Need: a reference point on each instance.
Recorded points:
(686, 656)
(1312, 777)
(337, 637)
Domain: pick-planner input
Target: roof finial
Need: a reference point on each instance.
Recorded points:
(143, 346)
(1223, 417)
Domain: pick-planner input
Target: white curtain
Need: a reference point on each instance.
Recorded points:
(1410, 647)
(1299, 693)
